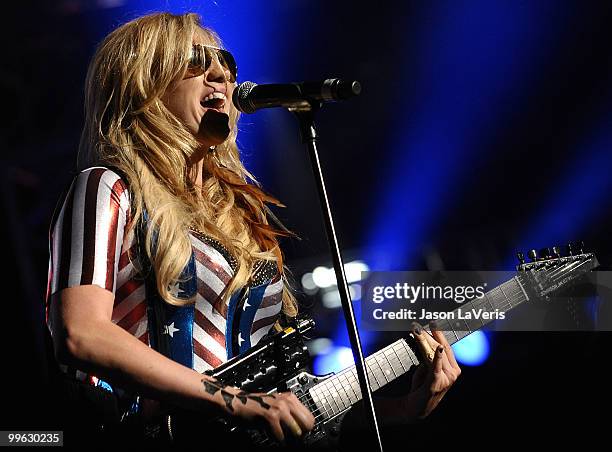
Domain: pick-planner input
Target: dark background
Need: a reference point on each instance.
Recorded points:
(484, 127)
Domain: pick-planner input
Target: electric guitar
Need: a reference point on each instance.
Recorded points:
(277, 363)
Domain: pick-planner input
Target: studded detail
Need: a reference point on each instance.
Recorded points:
(264, 270)
(216, 244)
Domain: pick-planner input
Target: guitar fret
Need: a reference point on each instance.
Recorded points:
(488, 300)
(344, 398)
(355, 384)
(508, 300)
(518, 283)
(328, 398)
(395, 362)
(473, 323)
(401, 355)
(378, 373)
(338, 395)
(409, 353)
(348, 384)
(334, 400)
(461, 328)
(478, 304)
(318, 400)
(501, 301)
(373, 381)
(334, 396)
(323, 400)
(512, 288)
(386, 365)
(350, 394)
(384, 375)
(398, 358)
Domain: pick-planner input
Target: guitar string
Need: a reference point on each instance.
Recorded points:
(515, 295)
(324, 412)
(510, 296)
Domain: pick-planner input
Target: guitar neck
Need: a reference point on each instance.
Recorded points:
(481, 311)
(339, 392)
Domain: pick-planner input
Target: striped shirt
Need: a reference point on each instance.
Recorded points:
(90, 244)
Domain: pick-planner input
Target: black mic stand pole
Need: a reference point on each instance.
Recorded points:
(305, 116)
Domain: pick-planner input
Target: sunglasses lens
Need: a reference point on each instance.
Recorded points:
(202, 56)
(227, 61)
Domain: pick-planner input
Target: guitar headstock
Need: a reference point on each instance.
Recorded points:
(552, 269)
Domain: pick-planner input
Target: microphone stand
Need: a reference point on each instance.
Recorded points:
(305, 115)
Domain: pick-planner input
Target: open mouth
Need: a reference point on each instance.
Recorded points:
(215, 101)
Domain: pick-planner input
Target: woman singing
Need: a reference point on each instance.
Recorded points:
(163, 263)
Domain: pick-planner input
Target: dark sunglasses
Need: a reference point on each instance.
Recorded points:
(202, 56)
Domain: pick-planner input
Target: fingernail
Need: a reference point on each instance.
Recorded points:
(440, 349)
(433, 325)
(416, 328)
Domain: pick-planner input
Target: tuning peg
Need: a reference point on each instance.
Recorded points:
(580, 246)
(521, 257)
(533, 255)
(545, 253)
(556, 251)
(570, 249)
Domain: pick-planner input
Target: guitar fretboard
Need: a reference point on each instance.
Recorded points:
(339, 392)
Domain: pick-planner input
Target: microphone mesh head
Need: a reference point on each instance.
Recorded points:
(241, 97)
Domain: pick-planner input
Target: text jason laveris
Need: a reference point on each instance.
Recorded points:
(423, 314)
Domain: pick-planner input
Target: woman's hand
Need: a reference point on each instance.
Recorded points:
(279, 411)
(435, 375)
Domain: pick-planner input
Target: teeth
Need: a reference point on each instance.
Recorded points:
(215, 95)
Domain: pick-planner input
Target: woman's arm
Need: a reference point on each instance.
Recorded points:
(85, 337)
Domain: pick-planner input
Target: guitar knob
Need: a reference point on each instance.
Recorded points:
(556, 251)
(533, 255)
(521, 257)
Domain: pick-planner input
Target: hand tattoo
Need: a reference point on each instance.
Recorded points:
(213, 386)
(259, 399)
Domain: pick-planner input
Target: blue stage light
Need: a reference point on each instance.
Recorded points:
(472, 350)
(335, 360)
(470, 65)
(576, 202)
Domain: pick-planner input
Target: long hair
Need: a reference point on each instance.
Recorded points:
(128, 127)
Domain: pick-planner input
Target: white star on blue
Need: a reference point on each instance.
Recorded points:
(170, 330)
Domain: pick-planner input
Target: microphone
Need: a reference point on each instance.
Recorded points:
(249, 97)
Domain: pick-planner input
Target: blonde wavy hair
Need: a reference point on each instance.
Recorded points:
(128, 127)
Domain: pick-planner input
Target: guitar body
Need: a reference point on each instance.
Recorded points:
(184, 428)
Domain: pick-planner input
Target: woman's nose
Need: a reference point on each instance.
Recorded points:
(216, 72)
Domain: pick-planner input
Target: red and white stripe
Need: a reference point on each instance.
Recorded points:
(88, 233)
(214, 273)
(89, 245)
